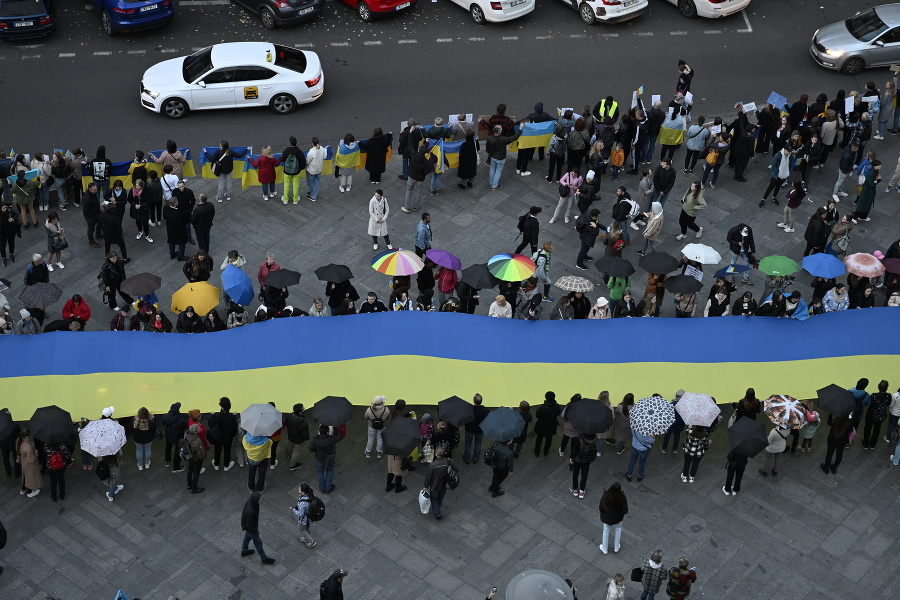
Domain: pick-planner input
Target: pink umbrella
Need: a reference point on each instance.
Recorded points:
(444, 259)
(864, 265)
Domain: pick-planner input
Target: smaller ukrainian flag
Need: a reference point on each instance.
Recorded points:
(537, 135)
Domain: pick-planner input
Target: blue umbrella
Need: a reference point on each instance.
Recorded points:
(237, 285)
(731, 270)
(823, 265)
(503, 424)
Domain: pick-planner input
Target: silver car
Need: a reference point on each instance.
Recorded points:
(870, 38)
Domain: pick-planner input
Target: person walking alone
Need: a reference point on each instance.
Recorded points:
(779, 172)
(378, 214)
(613, 508)
(691, 205)
(250, 527)
(301, 511)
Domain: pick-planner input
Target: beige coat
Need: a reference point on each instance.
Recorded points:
(382, 412)
(31, 469)
(378, 211)
(654, 227)
(393, 465)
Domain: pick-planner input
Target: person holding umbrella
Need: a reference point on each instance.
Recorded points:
(838, 439)
(258, 449)
(112, 274)
(501, 468)
(31, 468)
(735, 463)
(111, 465)
(546, 423)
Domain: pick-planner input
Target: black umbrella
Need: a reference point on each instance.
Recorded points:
(40, 295)
(836, 400)
(747, 437)
(659, 262)
(456, 411)
(479, 277)
(331, 410)
(614, 266)
(282, 278)
(51, 424)
(502, 424)
(335, 273)
(682, 284)
(401, 436)
(6, 424)
(142, 284)
(589, 416)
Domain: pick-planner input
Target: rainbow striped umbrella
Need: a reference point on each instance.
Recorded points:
(511, 267)
(398, 262)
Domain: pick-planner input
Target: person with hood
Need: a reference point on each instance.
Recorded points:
(468, 161)
(301, 511)
(333, 589)
(862, 398)
(740, 242)
(258, 449)
(223, 165)
(526, 154)
(607, 108)
(189, 322)
(297, 434)
(655, 573)
(653, 229)
(111, 224)
(613, 508)
(175, 423)
(195, 464)
(546, 423)
(250, 527)
(697, 138)
(557, 151)
(100, 168)
(222, 431)
(37, 272)
(838, 439)
(324, 446)
(845, 169)
(836, 299)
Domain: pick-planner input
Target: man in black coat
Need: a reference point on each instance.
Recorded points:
(372, 304)
(408, 144)
(176, 424)
(112, 230)
(222, 429)
(90, 208)
(663, 182)
(175, 232)
(473, 431)
(742, 150)
(816, 233)
(417, 169)
(202, 220)
(468, 297)
(186, 202)
(297, 434)
(333, 589)
(740, 242)
(250, 526)
(530, 230)
(588, 228)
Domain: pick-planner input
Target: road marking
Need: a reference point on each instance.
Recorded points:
(66, 54)
(645, 34)
(606, 35)
(407, 41)
(135, 52)
(339, 44)
(747, 21)
(508, 38)
(678, 33)
(30, 57)
(372, 43)
(577, 36)
(476, 39)
(712, 31)
(169, 50)
(197, 48)
(444, 40)
(544, 37)
(304, 45)
(102, 53)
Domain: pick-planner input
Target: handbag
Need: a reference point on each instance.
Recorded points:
(58, 242)
(637, 574)
(424, 502)
(564, 191)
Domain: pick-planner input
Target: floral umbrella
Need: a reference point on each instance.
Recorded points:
(864, 265)
(698, 409)
(785, 411)
(103, 437)
(652, 416)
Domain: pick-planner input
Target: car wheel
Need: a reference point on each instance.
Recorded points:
(268, 18)
(365, 13)
(174, 108)
(107, 24)
(853, 66)
(283, 103)
(587, 14)
(477, 14)
(687, 8)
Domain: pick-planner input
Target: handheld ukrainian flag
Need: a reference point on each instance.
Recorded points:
(187, 168)
(328, 164)
(206, 165)
(251, 174)
(364, 147)
(537, 135)
(31, 175)
(348, 157)
(450, 150)
(120, 170)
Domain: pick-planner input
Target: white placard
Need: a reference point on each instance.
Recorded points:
(654, 99)
(452, 120)
(633, 99)
(715, 129)
(749, 106)
(561, 111)
(470, 118)
(692, 271)
(688, 98)
(404, 125)
(671, 108)
(848, 105)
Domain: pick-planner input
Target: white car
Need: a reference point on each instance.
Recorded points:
(233, 75)
(710, 9)
(496, 11)
(608, 11)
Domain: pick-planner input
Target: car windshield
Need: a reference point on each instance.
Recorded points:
(21, 8)
(866, 25)
(197, 64)
(289, 58)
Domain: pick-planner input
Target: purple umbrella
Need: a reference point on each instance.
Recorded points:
(444, 259)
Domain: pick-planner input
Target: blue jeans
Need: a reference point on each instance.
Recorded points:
(436, 182)
(882, 125)
(517, 447)
(257, 543)
(180, 250)
(143, 452)
(677, 434)
(86, 459)
(620, 446)
(495, 171)
(436, 501)
(405, 167)
(43, 194)
(715, 173)
(102, 188)
(645, 595)
(613, 305)
(313, 181)
(325, 474)
(635, 455)
(657, 197)
(649, 147)
(256, 474)
(268, 188)
(624, 226)
(582, 253)
(187, 230)
(743, 255)
(61, 191)
(892, 424)
(478, 437)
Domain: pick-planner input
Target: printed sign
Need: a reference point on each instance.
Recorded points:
(251, 93)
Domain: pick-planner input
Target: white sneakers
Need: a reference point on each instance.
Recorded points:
(390, 247)
(789, 230)
(273, 465)
(634, 226)
(139, 235)
(680, 236)
(140, 467)
(374, 246)
(231, 464)
(33, 493)
(699, 233)
(149, 239)
(782, 225)
(50, 267)
(525, 173)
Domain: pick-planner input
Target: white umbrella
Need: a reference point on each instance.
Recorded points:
(261, 419)
(697, 409)
(103, 437)
(702, 254)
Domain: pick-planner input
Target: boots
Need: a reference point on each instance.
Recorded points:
(400, 487)
(390, 482)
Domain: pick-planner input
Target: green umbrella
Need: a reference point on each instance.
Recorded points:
(778, 265)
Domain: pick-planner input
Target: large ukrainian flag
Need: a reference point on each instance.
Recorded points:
(348, 157)
(449, 150)
(206, 165)
(536, 135)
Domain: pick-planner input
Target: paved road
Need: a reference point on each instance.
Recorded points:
(384, 72)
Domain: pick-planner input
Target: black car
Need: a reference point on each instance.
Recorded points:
(26, 18)
(283, 12)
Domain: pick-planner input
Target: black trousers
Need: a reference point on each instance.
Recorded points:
(523, 157)
(740, 166)
(773, 187)
(93, 228)
(497, 477)
(834, 449)
(556, 163)
(176, 462)
(686, 221)
(582, 469)
(193, 473)
(7, 241)
(564, 443)
(112, 297)
(547, 439)
(525, 241)
(120, 243)
(221, 450)
(733, 478)
(202, 238)
(57, 481)
(11, 466)
(871, 432)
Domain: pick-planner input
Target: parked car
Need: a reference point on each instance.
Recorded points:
(870, 38)
(279, 13)
(494, 11)
(608, 11)
(121, 16)
(21, 19)
(369, 9)
(709, 9)
(233, 75)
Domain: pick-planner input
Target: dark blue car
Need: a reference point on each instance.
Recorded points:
(120, 16)
(21, 19)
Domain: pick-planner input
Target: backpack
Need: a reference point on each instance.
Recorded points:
(56, 461)
(521, 224)
(635, 208)
(316, 510)
(378, 422)
(712, 157)
(292, 165)
(184, 450)
(452, 477)
(102, 470)
(100, 283)
(557, 146)
(588, 453)
(489, 456)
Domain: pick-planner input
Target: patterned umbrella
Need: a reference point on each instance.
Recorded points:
(652, 416)
(40, 295)
(511, 267)
(103, 437)
(503, 424)
(261, 419)
(701, 253)
(824, 265)
(201, 295)
(573, 283)
(444, 258)
(398, 262)
(864, 265)
(698, 409)
(785, 411)
(778, 265)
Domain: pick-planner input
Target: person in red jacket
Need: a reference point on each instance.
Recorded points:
(194, 417)
(446, 283)
(76, 308)
(264, 269)
(266, 164)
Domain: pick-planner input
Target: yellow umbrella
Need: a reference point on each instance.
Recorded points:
(201, 295)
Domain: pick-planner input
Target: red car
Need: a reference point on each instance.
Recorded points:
(368, 9)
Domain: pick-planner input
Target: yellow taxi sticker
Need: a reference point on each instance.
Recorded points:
(251, 93)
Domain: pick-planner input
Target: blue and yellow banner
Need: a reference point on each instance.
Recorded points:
(206, 165)
(31, 175)
(349, 157)
(774, 356)
(187, 168)
(251, 173)
(536, 135)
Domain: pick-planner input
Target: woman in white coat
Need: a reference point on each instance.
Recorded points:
(378, 214)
